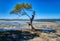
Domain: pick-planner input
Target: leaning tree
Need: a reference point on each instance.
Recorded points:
(20, 10)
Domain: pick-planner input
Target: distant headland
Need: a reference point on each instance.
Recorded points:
(42, 20)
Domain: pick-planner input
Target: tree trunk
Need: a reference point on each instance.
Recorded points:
(32, 27)
(31, 20)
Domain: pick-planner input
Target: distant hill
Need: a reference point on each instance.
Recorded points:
(48, 20)
(13, 19)
(43, 20)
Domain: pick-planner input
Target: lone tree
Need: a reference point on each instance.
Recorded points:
(20, 10)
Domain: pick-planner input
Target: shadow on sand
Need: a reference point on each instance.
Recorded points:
(15, 35)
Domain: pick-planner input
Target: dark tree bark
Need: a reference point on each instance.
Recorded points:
(31, 20)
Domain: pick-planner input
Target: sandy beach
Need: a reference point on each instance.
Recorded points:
(38, 25)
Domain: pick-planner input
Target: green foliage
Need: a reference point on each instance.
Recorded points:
(28, 6)
(20, 7)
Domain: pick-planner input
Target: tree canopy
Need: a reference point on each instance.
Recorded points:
(20, 7)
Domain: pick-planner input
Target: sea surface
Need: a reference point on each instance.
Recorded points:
(21, 23)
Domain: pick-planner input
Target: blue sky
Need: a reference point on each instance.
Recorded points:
(45, 9)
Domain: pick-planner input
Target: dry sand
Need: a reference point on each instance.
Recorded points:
(46, 36)
(43, 24)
